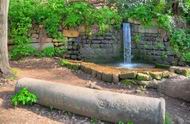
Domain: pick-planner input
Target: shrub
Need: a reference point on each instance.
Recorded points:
(60, 52)
(20, 51)
(24, 97)
(180, 42)
(47, 52)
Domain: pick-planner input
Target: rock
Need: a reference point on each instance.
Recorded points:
(115, 78)
(153, 84)
(179, 120)
(94, 73)
(93, 85)
(143, 77)
(185, 71)
(166, 74)
(144, 83)
(107, 77)
(86, 69)
(103, 105)
(128, 75)
(99, 75)
(156, 75)
(177, 87)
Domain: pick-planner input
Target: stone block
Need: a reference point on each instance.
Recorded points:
(99, 75)
(143, 77)
(86, 69)
(94, 73)
(156, 75)
(185, 71)
(128, 75)
(107, 77)
(115, 78)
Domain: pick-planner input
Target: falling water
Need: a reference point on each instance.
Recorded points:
(127, 43)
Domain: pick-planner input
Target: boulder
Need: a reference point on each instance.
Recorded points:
(176, 87)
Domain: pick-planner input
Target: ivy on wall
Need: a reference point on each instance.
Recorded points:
(52, 14)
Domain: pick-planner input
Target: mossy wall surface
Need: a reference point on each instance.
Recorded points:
(152, 45)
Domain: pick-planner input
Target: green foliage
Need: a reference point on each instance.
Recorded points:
(24, 97)
(168, 119)
(52, 14)
(78, 14)
(83, 13)
(93, 121)
(20, 51)
(180, 41)
(69, 65)
(137, 38)
(129, 82)
(105, 17)
(47, 52)
(60, 52)
(187, 56)
(51, 52)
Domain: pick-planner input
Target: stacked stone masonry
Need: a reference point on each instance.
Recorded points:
(147, 45)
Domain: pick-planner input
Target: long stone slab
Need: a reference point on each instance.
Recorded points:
(103, 105)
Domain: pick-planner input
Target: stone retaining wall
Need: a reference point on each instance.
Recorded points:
(149, 45)
(102, 48)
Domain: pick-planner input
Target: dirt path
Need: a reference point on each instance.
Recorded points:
(48, 69)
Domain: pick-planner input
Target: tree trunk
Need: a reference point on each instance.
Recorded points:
(4, 61)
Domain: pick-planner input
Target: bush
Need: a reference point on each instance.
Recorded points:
(20, 51)
(24, 97)
(47, 52)
(180, 42)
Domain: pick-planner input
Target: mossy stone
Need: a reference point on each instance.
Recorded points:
(156, 75)
(128, 82)
(128, 75)
(143, 77)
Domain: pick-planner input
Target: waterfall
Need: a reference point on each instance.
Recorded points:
(127, 43)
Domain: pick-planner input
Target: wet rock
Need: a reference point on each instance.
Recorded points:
(143, 77)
